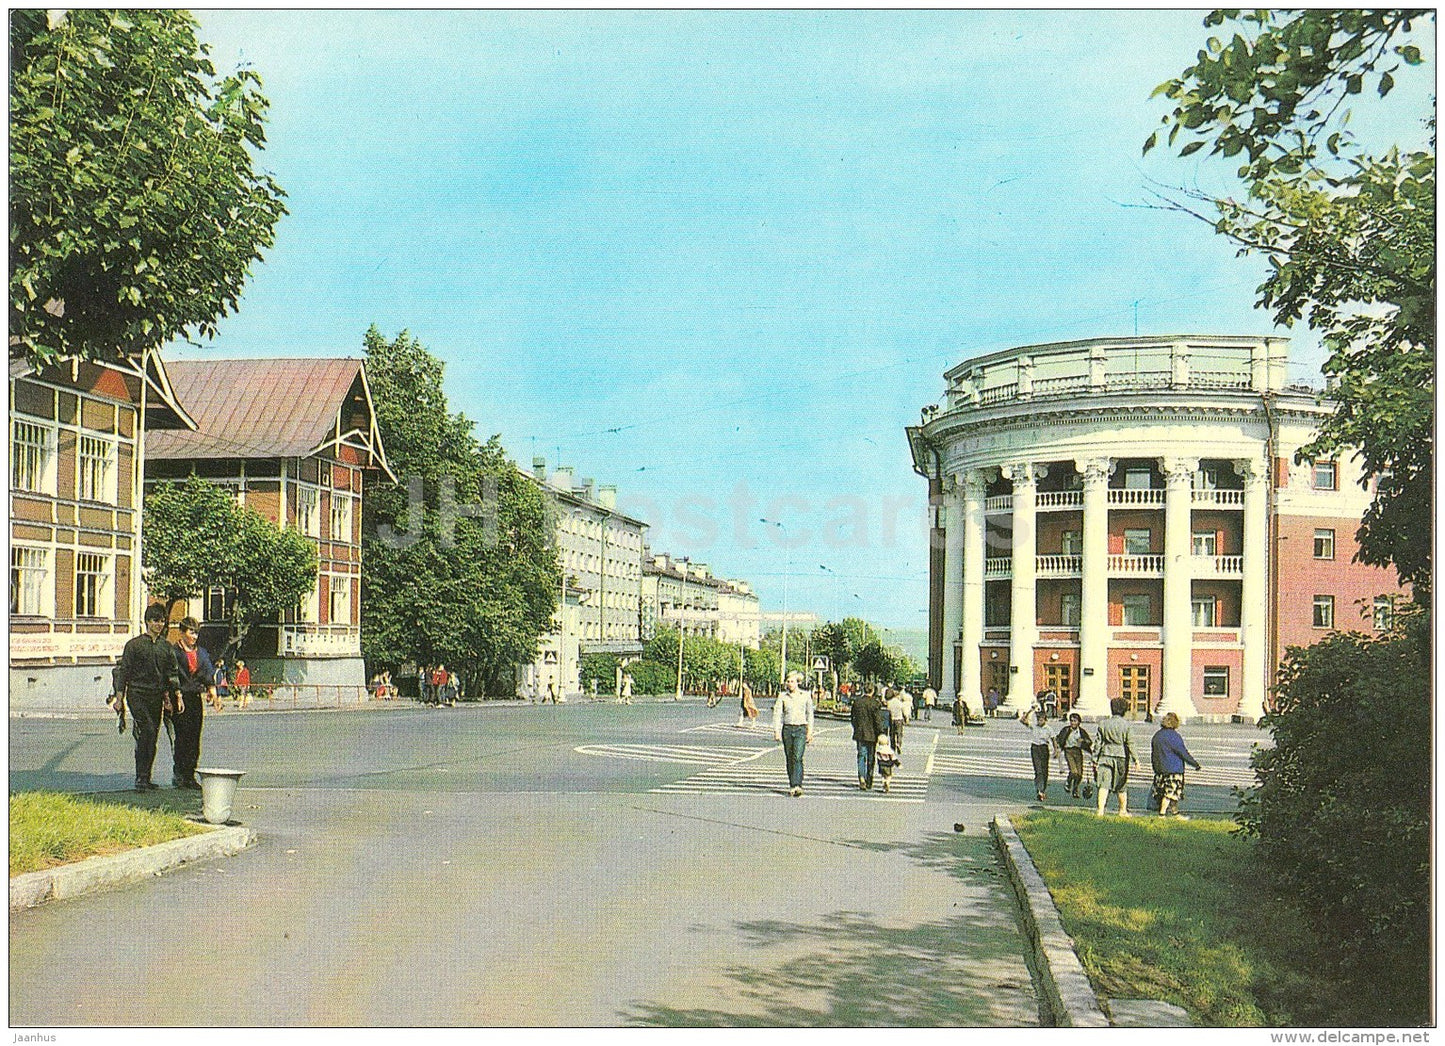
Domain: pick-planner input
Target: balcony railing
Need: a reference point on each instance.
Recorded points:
(999, 566)
(1223, 379)
(1061, 499)
(1219, 498)
(1001, 503)
(1148, 498)
(1058, 566)
(1059, 386)
(1125, 564)
(1216, 566)
(998, 393)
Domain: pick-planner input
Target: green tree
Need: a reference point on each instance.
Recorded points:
(458, 563)
(196, 538)
(135, 209)
(1349, 236)
(833, 642)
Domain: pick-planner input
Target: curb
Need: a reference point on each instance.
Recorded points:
(1068, 996)
(100, 873)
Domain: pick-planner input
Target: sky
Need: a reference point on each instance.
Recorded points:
(720, 259)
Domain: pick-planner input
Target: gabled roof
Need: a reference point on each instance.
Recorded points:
(265, 408)
(162, 411)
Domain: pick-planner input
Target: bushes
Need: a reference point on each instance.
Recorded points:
(1342, 806)
(649, 677)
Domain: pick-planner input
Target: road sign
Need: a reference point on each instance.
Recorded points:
(820, 664)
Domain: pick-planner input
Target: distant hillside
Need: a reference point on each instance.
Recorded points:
(914, 642)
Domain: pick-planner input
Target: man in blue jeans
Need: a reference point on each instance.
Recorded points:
(793, 725)
(865, 734)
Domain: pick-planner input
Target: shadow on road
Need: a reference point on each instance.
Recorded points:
(857, 970)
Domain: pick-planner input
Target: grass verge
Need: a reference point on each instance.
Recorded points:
(1180, 911)
(49, 828)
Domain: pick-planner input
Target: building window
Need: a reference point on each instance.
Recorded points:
(1216, 681)
(1206, 477)
(1136, 610)
(1138, 542)
(1069, 609)
(1324, 544)
(92, 585)
(29, 581)
(1384, 613)
(32, 457)
(309, 610)
(1206, 543)
(1324, 614)
(97, 469)
(340, 517)
(1138, 477)
(1326, 475)
(219, 603)
(340, 600)
(308, 511)
(1203, 610)
(1071, 543)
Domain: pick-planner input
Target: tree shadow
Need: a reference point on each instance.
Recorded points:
(853, 970)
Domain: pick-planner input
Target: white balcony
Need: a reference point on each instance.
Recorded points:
(998, 394)
(1219, 498)
(1153, 497)
(1002, 503)
(1058, 566)
(1061, 499)
(998, 566)
(1216, 566)
(1137, 566)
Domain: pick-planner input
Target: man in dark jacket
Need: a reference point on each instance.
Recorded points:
(146, 675)
(865, 734)
(197, 676)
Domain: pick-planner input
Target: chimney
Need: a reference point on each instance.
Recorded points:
(587, 488)
(562, 479)
(607, 497)
(539, 469)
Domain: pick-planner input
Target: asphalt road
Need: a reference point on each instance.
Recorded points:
(584, 865)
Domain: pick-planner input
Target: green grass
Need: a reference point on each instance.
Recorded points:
(48, 828)
(1180, 911)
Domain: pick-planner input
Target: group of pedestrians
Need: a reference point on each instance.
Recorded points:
(439, 686)
(879, 717)
(1114, 751)
(162, 685)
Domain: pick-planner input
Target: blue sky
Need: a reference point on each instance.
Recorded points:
(721, 258)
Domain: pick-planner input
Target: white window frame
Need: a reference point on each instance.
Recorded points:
(340, 523)
(1334, 473)
(1066, 601)
(339, 610)
(1206, 543)
(1204, 611)
(1216, 671)
(32, 595)
(1206, 477)
(1323, 614)
(1132, 474)
(95, 473)
(33, 443)
(1382, 613)
(1324, 540)
(308, 510)
(1133, 602)
(1071, 543)
(1132, 534)
(93, 585)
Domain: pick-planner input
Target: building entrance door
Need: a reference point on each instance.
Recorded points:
(1059, 679)
(1134, 687)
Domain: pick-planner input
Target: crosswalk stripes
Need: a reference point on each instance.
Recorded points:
(977, 764)
(750, 778)
(705, 755)
(754, 727)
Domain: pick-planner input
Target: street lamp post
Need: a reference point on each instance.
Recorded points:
(681, 600)
(787, 571)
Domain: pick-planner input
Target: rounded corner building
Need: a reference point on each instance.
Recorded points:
(1124, 518)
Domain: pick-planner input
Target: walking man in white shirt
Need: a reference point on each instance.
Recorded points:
(793, 725)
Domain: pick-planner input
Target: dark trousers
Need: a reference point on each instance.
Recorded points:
(795, 739)
(1075, 758)
(145, 723)
(895, 735)
(187, 725)
(1040, 755)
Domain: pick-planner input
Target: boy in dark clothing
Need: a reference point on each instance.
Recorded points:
(197, 676)
(147, 674)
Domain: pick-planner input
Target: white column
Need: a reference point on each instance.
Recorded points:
(1178, 548)
(1094, 598)
(1253, 592)
(1023, 618)
(970, 682)
(952, 583)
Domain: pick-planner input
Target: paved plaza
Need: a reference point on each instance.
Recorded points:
(581, 865)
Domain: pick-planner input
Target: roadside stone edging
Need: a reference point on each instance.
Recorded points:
(100, 873)
(1065, 988)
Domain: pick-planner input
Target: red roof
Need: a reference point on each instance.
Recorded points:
(265, 408)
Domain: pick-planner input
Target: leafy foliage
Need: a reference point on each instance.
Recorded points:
(1350, 237)
(135, 211)
(197, 537)
(473, 582)
(1341, 810)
